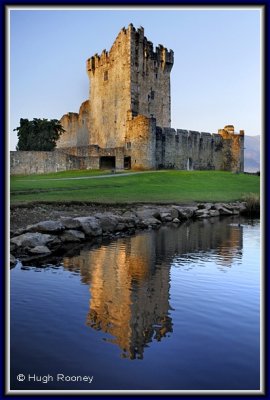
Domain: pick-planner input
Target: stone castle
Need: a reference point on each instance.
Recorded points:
(126, 123)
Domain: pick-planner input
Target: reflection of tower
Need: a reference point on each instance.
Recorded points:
(130, 278)
(231, 245)
(129, 295)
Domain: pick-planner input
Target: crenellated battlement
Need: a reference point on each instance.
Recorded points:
(162, 56)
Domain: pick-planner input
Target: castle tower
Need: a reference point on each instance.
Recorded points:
(130, 80)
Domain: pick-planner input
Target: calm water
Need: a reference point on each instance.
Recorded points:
(176, 308)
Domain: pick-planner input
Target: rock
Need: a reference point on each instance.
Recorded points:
(71, 223)
(130, 219)
(156, 214)
(18, 232)
(186, 212)
(122, 227)
(90, 226)
(166, 217)
(128, 215)
(46, 226)
(176, 221)
(146, 213)
(12, 259)
(234, 208)
(40, 250)
(223, 210)
(72, 235)
(174, 213)
(12, 247)
(34, 239)
(201, 206)
(151, 222)
(242, 207)
(202, 213)
(205, 215)
(214, 213)
(108, 222)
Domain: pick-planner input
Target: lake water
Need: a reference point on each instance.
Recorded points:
(172, 309)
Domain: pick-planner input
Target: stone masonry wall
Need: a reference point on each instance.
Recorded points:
(109, 76)
(141, 142)
(39, 162)
(76, 128)
(184, 149)
(132, 77)
(233, 151)
(150, 78)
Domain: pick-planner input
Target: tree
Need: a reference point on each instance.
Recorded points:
(39, 134)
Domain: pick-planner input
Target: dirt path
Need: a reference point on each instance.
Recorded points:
(112, 175)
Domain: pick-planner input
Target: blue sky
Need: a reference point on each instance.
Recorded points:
(215, 80)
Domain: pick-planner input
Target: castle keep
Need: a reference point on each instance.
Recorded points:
(126, 123)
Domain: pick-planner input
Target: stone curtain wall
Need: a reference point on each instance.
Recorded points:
(148, 146)
(64, 159)
(38, 162)
(182, 149)
(76, 128)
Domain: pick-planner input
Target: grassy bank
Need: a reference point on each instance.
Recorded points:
(161, 187)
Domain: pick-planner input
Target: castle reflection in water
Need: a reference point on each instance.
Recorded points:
(130, 278)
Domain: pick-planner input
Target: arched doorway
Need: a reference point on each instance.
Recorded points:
(189, 164)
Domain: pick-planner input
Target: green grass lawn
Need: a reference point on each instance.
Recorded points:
(160, 187)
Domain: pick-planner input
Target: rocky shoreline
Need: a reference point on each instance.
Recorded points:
(48, 237)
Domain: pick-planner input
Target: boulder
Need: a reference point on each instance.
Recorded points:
(214, 213)
(90, 226)
(130, 219)
(71, 223)
(223, 210)
(166, 217)
(145, 213)
(33, 239)
(176, 221)
(201, 206)
(122, 227)
(127, 215)
(174, 213)
(151, 222)
(72, 235)
(205, 206)
(242, 207)
(46, 227)
(202, 213)
(234, 208)
(186, 212)
(108, 222)
(40, 250)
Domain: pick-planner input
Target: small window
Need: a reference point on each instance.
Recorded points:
(105, 75)
(152, 94)
(128, 145)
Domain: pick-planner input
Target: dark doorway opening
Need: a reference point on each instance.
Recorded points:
(127, 162)
(107, 163)
(189, 164)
